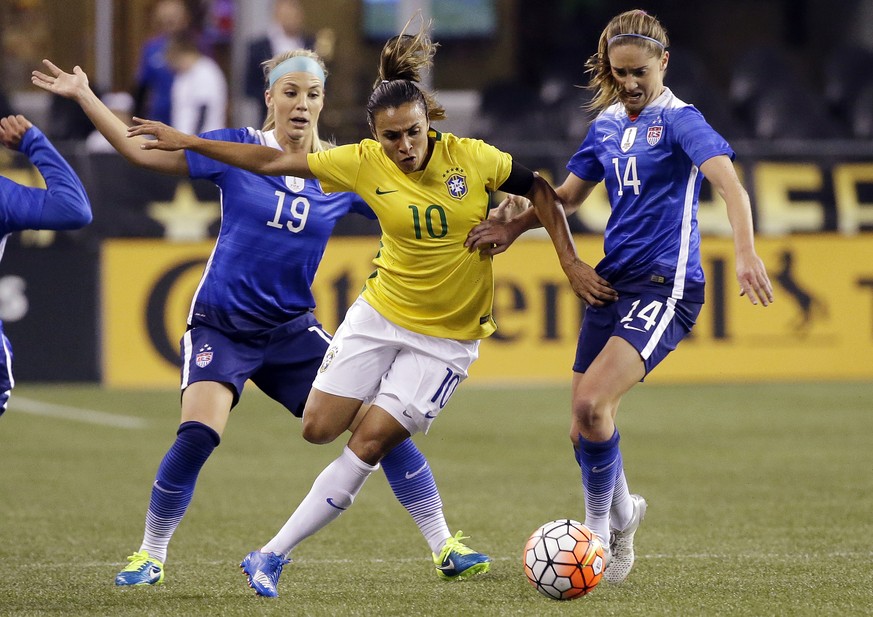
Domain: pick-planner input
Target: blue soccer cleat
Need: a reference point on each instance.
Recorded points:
(142, 570)
(262, 571)
(457, 561)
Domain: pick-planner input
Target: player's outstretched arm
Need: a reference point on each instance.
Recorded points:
(751, 273)
(75, 86)
(251, 157)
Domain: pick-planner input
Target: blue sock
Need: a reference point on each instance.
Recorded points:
(598, 461)
(410, 477)
(174, 485)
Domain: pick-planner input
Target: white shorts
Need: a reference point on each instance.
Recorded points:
(409, 375)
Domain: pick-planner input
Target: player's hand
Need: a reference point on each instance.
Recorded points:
(753, 279)
(12, 130)
(491, 237)
(69, 85)
(588, 285)
(495, 234)
(165, 137)
(509, 208)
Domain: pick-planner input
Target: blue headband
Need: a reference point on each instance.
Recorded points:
(296, 64)
(639, 36)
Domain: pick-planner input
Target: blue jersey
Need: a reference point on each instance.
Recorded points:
(63, 204)
(651, 169)
(274, 230)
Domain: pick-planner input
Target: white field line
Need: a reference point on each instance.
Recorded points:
(77, 414)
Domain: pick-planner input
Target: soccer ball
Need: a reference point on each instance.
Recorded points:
(563, 559)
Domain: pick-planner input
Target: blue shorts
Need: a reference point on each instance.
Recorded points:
(653, 324)
(282, 363)
(6, 379)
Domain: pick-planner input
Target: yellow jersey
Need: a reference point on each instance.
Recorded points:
(425, 280)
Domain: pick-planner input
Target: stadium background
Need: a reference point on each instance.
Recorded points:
(788, 83)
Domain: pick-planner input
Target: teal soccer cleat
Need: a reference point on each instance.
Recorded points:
(142, 570)
(457, 561)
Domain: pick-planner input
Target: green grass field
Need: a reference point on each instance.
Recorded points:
(760, 503)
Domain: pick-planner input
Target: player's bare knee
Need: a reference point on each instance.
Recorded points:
(371, 451)
(588, 414)
(319, 432)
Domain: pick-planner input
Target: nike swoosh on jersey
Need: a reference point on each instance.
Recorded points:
(607, 136)
(381, 192)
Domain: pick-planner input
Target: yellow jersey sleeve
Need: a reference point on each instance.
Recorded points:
(337, 168)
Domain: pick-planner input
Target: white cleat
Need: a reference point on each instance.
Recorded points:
(621, 545)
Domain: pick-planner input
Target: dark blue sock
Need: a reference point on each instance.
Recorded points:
(598, 461)
(410, 477)
(174, 484)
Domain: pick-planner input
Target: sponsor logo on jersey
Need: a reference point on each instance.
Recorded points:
(653, 134)
(627, 140)
(294, 183)
(457, 185)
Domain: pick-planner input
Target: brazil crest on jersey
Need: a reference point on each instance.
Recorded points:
(651, 169)
(273, 234)
(425, 279)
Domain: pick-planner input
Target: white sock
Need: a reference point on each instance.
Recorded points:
(622, 508)
(436, 532)
(331, 494)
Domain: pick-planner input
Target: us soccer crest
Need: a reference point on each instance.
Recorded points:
(204, 356)
(653, 134)
(457, 185)
(294, 184)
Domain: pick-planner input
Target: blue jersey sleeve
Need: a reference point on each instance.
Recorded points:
(200, 166)
(585, 163)
(62, 205)
(697, 138)
(359, 206)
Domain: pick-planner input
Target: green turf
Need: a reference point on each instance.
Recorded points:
(760, 501)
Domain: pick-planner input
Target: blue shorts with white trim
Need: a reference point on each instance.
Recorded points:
(282, 362)
(653, 324)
